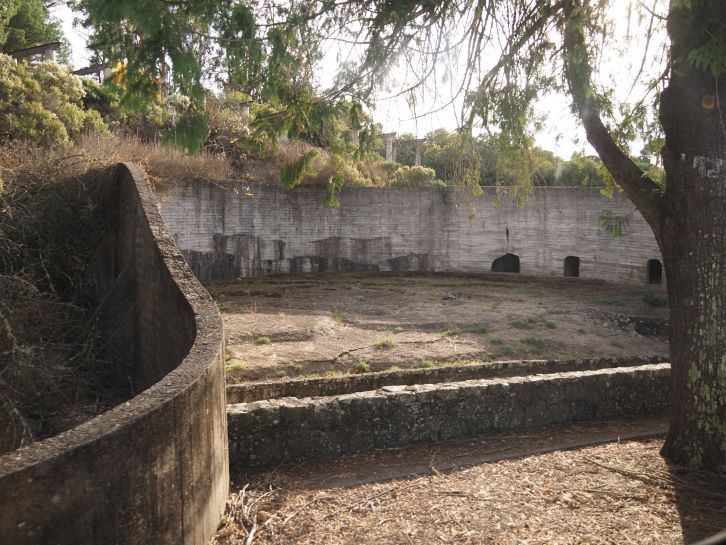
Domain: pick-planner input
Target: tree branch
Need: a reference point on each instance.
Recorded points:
(641, 190)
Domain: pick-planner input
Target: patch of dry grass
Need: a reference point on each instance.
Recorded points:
(163, 164)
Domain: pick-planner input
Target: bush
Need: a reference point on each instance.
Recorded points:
(43, 103)
(407, 176)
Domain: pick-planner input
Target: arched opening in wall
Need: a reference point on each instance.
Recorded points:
(655, 271)
(506, 263)
(572, 266)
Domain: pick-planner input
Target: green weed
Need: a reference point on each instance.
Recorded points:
(654, 300)
(534, 342)
(609, 302)
(263, 340)
(361, 367)
(521, 324)
(478, 329)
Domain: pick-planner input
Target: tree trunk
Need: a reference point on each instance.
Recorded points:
(692, 237)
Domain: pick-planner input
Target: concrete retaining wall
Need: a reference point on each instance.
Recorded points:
(291, 429)
(154, 469)
(331, 386)
(232, 229)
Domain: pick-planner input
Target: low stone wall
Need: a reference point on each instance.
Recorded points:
(330, 386)
(291, 429)
(154, 469)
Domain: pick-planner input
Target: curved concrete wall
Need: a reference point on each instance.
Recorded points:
(233, 229)
(154, 469)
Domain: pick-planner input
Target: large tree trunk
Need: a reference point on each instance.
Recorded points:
(689, 220)
(692, 236)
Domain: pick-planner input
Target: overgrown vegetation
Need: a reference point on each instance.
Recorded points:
(55, 366)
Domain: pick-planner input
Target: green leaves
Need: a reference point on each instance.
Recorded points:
(292, 174)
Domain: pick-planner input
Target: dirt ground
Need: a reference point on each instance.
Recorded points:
(327, 324)
(482, 491)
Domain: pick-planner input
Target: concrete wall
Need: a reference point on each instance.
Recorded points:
(347, 384)
(154, 469)
(232, 229)
(291, 429)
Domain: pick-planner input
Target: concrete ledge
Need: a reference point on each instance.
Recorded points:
(154, 469)
(311, 387)
(291, 429)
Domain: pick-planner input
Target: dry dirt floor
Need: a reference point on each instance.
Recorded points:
(327, 324)
(541, 487)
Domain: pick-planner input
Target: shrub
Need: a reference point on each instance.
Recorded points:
(407, 176)
(43, 103)
(263, 340)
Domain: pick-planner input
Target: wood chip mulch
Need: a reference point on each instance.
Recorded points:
(615, 493)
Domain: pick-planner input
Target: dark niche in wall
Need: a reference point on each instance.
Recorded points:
(572, 266)
(507, 263)
(654, 271)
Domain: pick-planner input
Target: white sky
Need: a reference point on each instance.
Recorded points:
(562, 132)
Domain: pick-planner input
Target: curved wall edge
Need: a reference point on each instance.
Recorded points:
(154, 469)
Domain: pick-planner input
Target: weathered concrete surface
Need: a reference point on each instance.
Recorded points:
(154, 469)
(227, 231)
(331, 386)
(292, 429)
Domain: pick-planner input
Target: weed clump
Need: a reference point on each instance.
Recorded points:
(534, 342)
(385, 344)
(606, 301)
(477, 329)
(361, 367)
(654, 300)
(260, 341)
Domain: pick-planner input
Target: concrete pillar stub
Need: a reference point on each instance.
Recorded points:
(49, 55)
(245, 109)
(389, 138)
(107, 73)
(419, 144)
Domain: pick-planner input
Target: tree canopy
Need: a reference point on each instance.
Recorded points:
(27, 23)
